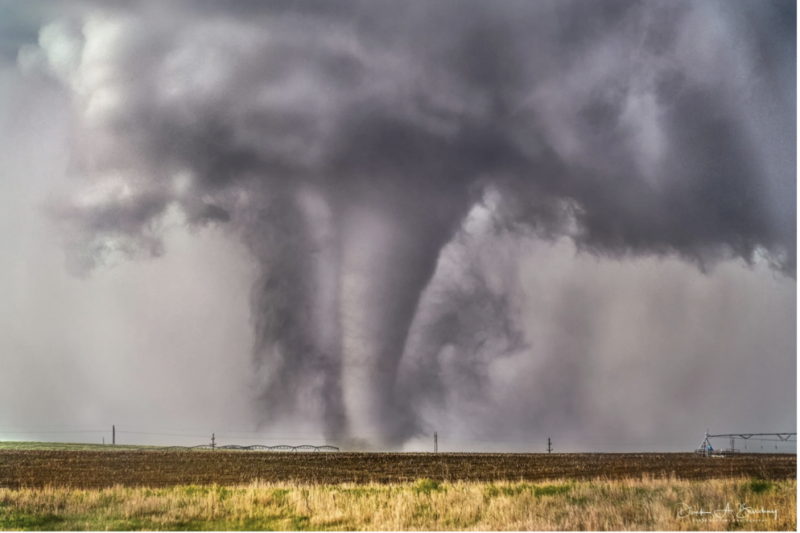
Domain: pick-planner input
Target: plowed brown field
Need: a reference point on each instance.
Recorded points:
(88, 469)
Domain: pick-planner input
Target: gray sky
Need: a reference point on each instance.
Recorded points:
(358, 223)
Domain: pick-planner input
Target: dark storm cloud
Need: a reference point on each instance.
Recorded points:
(13, 34)
(347, 142)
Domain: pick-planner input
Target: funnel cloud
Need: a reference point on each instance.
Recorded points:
(386, 164)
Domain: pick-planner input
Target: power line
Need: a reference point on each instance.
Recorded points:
(222, 435)
(783, 438)
(34, 427)
(149, 427)
(161, 434)
(58, 432)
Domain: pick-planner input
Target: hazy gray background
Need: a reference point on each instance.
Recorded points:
(650, 333)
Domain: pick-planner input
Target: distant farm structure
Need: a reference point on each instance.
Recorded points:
(707, 449)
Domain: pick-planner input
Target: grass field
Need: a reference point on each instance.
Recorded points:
(83, 488)
(69, 446)
(632, 504)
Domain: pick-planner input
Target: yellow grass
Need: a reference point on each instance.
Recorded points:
(633, 504)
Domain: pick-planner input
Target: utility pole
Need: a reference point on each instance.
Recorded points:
(549, 445)
(213, 445)
(435, 442)
(113, 435)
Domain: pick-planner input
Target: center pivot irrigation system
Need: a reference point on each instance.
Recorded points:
(258, 447)
(255, 447)
(707, 450)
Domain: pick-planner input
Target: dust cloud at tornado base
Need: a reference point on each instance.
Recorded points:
(409, 197)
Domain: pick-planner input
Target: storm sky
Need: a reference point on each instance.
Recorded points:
(360, 222)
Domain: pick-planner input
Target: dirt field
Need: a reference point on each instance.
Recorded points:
(88, 469)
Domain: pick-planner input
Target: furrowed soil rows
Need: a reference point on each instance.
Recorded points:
(90, 469)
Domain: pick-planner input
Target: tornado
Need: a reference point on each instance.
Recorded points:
(384, 271)
(388, 257)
